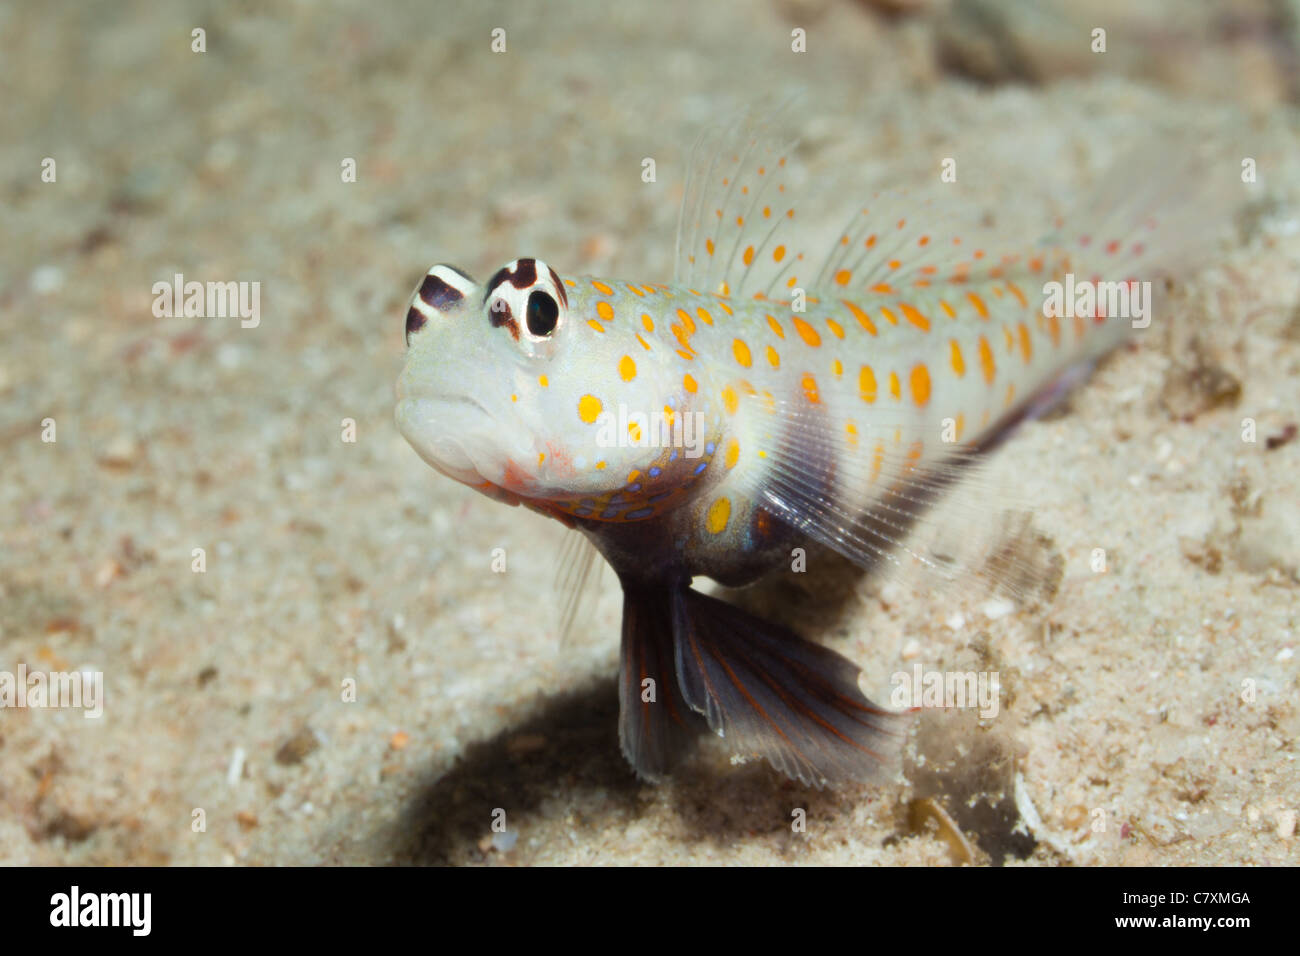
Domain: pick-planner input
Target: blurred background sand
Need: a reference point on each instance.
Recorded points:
(1156, 699)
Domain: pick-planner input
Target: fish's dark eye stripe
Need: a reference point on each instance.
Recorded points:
(559, 287)
(500, 315)
(498, 277)
(438, 294)
(525, 274)
(414, 322)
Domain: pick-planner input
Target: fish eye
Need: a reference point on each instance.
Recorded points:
(542, 314)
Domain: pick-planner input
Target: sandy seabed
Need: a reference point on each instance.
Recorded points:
(1148, 713)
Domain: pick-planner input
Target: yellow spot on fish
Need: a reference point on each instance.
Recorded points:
(894, 388)
(543, 381)
(920, 383)
(806, 332)
(836, 329)
(867, 384)
(889, 316)
(648, 322)
(688, 383)
(810, 389)
(725, 308)
(626, 368)
(748, 257)
(634, 431)
(541, 457)
(958, 361)
(601, 465)
(844, 277)
(948, 310)
(687, 321)
(852, 431)
(776, 327)
(605, 310)
(602, 288)
(837, 367)
(773, 358)
(589, 408)
(718, 516)
(778, 253)
(596, 325)
(634, 290)
(708, 244)
(729, 400)
(644, 344)
(741, 351)
(980, 307)
(733, 453)
(704, 315)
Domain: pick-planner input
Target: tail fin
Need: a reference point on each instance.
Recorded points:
(772, 694)
(655, 725)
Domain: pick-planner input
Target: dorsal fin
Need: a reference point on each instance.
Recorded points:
(733, 232)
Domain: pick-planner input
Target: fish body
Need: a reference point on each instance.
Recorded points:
(767, 397)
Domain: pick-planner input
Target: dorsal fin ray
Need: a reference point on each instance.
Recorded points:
(733, 233)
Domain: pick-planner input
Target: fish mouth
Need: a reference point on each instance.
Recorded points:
(450, 432)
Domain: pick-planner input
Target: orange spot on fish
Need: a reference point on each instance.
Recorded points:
(958, 361)
(605, 311)
(704, 315)
(806, 332)
(773, 358)
(810, 389)
(626, 368)
(836, 329)
(1026, 347)
(688, 383)
(776, 327)
(602, 288)
(863, 319)
(919, 381)
(778, 253)
(741, 351)
(895, 389)
(915, 317)
(980, 307)
(987, 365)
(844, 277)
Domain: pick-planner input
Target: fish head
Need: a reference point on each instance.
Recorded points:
(527, 387)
